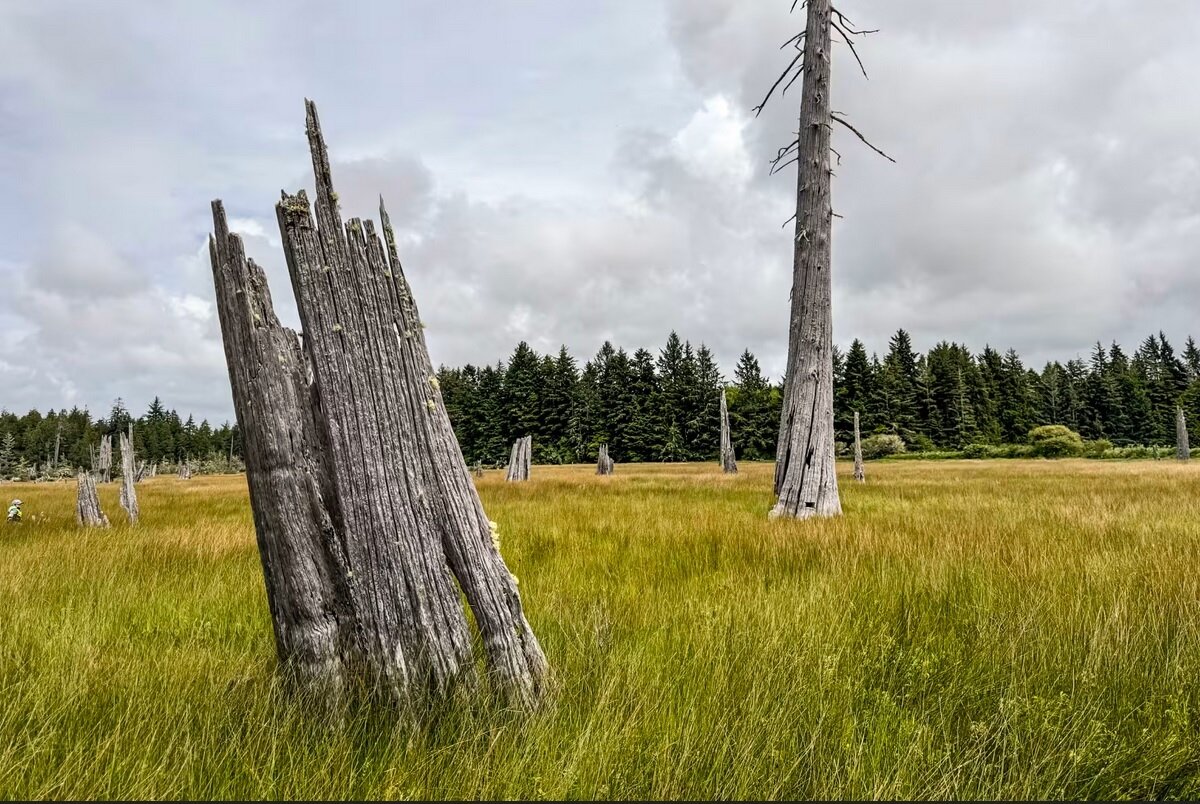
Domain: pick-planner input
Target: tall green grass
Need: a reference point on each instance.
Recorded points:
(967, 629)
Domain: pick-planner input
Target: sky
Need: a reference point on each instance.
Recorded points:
(564, 172)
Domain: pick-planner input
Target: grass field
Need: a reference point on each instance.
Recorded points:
(967, 629)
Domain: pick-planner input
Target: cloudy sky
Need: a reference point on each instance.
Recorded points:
(570, 172)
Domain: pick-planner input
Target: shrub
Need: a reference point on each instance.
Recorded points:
(881, 445)
(919, 442)
(1055, 441)
(979, 451)
(1097, 448)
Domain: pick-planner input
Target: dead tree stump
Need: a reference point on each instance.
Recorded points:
(604, 464)
(87, 503)
(860, 473)
(1182, 449)
(477, 469)
(368, 522)
(104, 463)
(518, 461)
(728, 459)
(128, 477)
(185, 471)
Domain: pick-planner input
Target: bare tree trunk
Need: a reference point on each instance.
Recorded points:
(57, 442)
(728, 460)
(518, 462)
(185, 471)
(860, 473)
(128, 477)
(805, 477)
(1182, 451)
(477, 469)
(87, 503)
(406, 530)
(604, 464)
(105, 463)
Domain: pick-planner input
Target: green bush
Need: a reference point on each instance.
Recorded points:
(1097, 448)
(1055, 441)
(881, 445)
(979, 451)
(919, 442)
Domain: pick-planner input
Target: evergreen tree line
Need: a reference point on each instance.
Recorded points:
(664, 407)
(27, 443)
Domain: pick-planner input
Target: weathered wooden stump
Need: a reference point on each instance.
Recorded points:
(1183, 450)
(128, 477)
(604, 464)
(104, 462)
(518, 460)
(87, 503)
(728, 459)
(477, 469)
(860, 472)
(185, 471)
(368, 522)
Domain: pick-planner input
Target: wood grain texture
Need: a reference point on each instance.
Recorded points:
(805, 480)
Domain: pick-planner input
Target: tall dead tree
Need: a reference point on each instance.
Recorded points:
(860, 472)
(1182, 450)
(128, 477)
(518, 460)
(104, 461)
(367, 520)
(604, 464)
(805, 478)
(87, 503)
(728, 460)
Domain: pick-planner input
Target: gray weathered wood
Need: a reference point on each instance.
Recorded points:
(303, 563)
(298, 547)
(128, 477)
(728, 459)
(87, 503)
(860, 472)
(185, 471)
(1182, 449)
(407, 530)
(103, 465)
(604, 463)
(518, 461)
(805, 477)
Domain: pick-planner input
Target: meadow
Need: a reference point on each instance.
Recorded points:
(969, 629)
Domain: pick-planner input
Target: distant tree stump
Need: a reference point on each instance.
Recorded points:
(87, 503)
(604, 464)
(728, 460)
(1182, 449)
(128, 478)
(185, 471)
(104, 462)
(860, 473)
(477, 469)
(518, 460)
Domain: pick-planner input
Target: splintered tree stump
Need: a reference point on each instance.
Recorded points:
(87, 503)
(860, 473)
(369, 525)
(185, 471)
(604, 464)
(728, 459)
(1183, 450)
(518, 460)
(805, 476)
(128, 477)
(104, 463)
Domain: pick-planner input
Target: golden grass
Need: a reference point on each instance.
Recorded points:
(967, 629)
